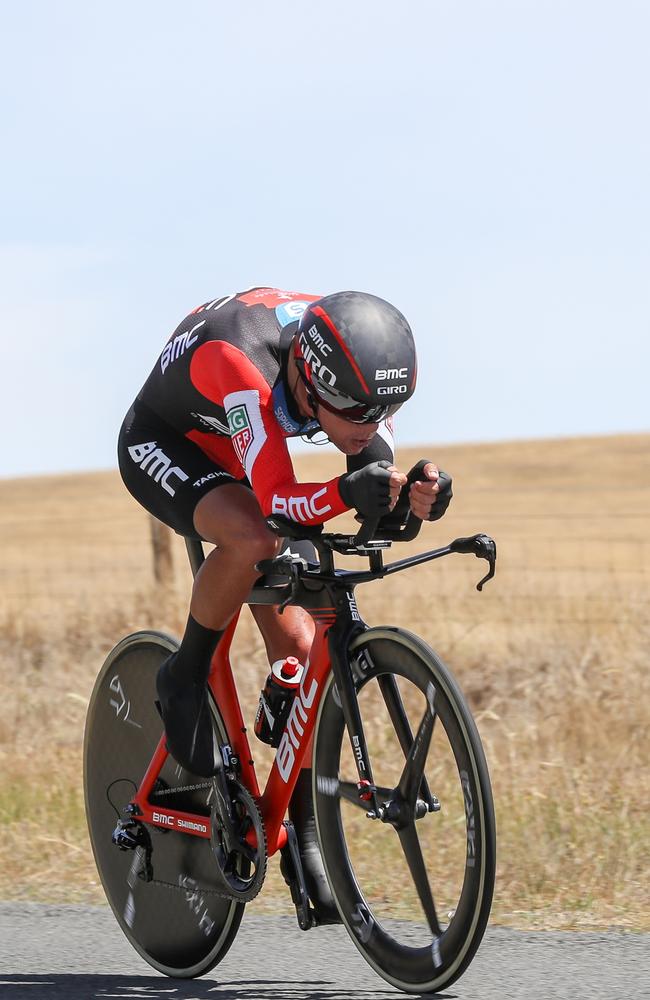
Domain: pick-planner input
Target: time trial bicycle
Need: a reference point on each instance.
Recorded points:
(402, 796)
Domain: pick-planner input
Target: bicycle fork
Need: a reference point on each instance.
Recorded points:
(348, 624)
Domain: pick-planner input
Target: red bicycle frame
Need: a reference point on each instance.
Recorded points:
(329, 599)
(274, 800)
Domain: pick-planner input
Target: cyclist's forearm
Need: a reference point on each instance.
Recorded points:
(306, 503)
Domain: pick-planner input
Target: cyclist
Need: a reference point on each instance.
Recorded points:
(204, 449)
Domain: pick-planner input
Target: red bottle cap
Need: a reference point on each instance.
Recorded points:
(290, 667)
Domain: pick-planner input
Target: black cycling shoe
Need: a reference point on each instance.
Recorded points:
(301, 814)
(183, 705)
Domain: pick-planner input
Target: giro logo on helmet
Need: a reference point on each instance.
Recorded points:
(388, 390)
(319, 370)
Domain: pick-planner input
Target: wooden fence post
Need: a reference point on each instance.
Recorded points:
(161, 549)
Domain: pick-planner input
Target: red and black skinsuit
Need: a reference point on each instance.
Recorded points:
(217, 408)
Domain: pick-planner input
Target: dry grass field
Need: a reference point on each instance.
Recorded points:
(553, 657)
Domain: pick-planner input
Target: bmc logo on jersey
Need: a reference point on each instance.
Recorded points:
(300, 508)
(156, 464)
(241, 432)
(178, 346)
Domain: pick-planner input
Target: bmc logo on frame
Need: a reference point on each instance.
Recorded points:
(295, 728)
(156, 464)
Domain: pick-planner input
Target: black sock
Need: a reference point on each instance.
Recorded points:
(192, 661)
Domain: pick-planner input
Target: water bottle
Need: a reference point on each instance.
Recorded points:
(276, 699)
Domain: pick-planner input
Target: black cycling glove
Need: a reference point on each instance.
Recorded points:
(367, 489)
(397, 517)
(444, 497)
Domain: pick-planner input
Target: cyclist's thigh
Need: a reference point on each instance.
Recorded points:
(167, 473)
(231, 518)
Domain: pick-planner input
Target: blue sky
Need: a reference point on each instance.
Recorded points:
(482, 165)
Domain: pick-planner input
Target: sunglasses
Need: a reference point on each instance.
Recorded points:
(350, 409)
(340, 403)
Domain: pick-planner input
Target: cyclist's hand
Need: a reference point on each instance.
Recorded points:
(430, 495)
(372, 490)
(397, 480)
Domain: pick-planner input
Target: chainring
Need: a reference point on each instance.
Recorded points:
(242, 870)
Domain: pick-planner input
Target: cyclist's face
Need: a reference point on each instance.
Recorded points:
(348, 437)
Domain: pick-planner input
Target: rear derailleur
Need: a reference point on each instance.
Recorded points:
(132, 835)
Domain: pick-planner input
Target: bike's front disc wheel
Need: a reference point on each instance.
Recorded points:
(177, 922)
(414, 889)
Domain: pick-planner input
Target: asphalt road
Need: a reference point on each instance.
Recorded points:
(79, 953)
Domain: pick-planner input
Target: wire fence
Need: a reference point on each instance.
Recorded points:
(568, 568)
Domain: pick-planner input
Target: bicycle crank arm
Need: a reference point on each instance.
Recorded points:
(224, 809)
(294, 876)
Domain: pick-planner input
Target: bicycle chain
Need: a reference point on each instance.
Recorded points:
(180, 788)
(192, 889)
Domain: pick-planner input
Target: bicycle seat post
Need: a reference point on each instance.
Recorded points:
(195, 553)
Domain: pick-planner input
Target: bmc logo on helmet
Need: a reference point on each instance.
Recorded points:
(318, 340)
(320, 370)
(386, 374)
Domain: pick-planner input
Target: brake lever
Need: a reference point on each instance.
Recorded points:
(483, 547)
(486, 548)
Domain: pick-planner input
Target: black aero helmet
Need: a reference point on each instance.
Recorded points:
(356, 356)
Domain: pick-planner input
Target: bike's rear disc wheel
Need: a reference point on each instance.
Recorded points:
(364, 858)
(179, 928)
